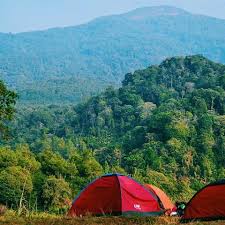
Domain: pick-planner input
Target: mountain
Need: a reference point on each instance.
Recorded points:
(65, 65)
(146, 12)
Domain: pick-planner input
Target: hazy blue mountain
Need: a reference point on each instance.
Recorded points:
(65, 65)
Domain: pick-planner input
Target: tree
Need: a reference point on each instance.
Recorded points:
(7, 158)
(7, 103)
(110, 155)
(26, 158)
(54, 164)
(14, 183)
(89, 167)
(55, 193)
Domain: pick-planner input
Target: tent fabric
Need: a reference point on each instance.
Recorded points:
(115, 195)
(208, 203)
(165, 200)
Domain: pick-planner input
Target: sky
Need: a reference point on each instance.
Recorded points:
(28, 15)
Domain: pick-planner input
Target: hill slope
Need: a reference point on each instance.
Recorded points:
(102, 51)
(164, 126)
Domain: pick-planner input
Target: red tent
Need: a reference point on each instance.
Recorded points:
(115, 194)
(208, 203)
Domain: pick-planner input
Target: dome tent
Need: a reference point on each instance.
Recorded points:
(207, 204)
(164, 199)
(115, 194)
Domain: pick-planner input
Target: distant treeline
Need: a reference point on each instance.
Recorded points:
(66, 65)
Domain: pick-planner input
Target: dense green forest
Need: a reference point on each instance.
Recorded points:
(165, 126)
(87, 58)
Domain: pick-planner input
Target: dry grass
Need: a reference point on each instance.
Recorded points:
(52, 220)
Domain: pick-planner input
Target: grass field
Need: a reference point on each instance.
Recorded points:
(42, 220)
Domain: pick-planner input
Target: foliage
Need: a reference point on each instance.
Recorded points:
(14, 181)
(7, 103)
(55, 193)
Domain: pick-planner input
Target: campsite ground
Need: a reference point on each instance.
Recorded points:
(45, 220)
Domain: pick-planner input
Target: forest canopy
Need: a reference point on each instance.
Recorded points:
(165, 126)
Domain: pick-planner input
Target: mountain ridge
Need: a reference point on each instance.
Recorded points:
(124, 14)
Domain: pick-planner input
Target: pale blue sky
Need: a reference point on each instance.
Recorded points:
(27, 15)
